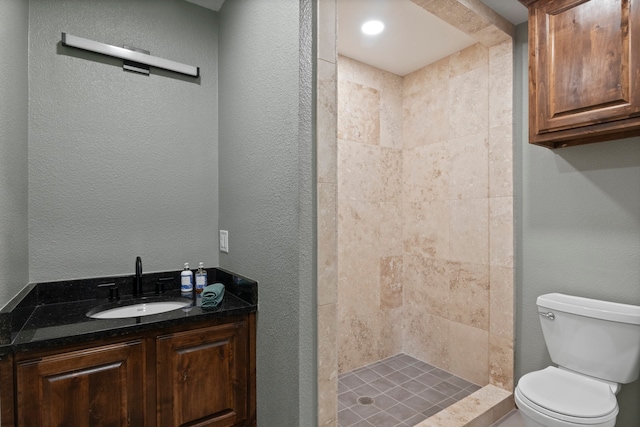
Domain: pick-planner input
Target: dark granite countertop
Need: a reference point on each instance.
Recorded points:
(51, 314)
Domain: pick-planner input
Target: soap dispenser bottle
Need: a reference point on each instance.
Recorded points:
(201, 282)
(186, 282)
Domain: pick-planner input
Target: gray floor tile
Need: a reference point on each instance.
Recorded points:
(433, 396)
(347, 417)
(383, 384)
(399, 393)
(366, 390)
(383, 369)
(440, 373)
(365, 411)
(417, 403)
(414, 386)
(368, 375)
(446, 388)
(352, 381)
(383, 401)
(363, 423)
(398, 378)
(401, 412)
(428, 379)
(412, 371)
(383, 419)
(348, 398)
(422, 393)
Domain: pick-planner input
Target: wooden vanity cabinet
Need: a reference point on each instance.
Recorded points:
(202, 376)
(584, 71)
(99, 386)
(196, 375)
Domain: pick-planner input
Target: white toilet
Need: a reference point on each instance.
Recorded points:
(596, 345)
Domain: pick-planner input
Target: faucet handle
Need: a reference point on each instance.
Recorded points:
(160, 288)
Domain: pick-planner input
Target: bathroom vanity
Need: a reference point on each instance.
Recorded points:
(188, 366)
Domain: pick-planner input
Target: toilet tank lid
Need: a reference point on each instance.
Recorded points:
(612, 311)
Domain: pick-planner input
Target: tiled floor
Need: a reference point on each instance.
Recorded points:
(400, 391)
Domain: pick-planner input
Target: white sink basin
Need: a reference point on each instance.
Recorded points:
(137, 310)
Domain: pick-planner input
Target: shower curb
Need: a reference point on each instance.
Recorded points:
(480, 409)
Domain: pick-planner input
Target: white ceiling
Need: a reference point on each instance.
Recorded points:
(413, 38)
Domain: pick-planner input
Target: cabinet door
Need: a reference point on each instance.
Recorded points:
(202, 376)
(584, 70)
(101, 386)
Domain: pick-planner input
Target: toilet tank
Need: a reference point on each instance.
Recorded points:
(596, 338)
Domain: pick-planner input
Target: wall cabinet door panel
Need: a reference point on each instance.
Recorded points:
(584, 75)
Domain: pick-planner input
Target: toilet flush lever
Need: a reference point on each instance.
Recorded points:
(548, 315)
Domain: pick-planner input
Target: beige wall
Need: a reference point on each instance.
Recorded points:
(425, 249)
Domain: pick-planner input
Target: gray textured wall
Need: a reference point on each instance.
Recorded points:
(121, 164)
(14, 32)
(578, 229)
(266, 201)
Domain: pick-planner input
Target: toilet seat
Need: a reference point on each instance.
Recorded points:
(567, 396)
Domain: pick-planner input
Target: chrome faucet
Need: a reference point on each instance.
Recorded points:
(137, 281)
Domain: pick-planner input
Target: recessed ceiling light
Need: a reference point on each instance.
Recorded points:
(372, 28)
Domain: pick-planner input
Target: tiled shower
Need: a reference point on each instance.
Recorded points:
(415, 201)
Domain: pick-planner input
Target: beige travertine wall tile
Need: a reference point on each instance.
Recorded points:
(327, 244)
(390, 282)
(389, 325)
(469, 284)
(476, 56)
(501, 362)
(391, 242)
(390, 174)
(391, 119)
(426, 173)
(469, 104)
(469, 231)
(327, 30)
(426, 284)
(327, 364)
(357, 338)
(501, 84)
(501, 229)
(469, 167)
(502, 291)
(427, 338)
(368, 338)
(501, 161)
(326, 122)
(433, 75)
(425, 229)
(358, 113)
(424, 112)
(359, 171)
(469, 356)
(491, 36)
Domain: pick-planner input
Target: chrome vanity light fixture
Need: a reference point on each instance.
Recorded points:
(129, 55)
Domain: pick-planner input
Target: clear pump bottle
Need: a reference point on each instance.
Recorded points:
(201, 282)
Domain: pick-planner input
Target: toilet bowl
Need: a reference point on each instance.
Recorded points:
(554, 397)
(596, 345)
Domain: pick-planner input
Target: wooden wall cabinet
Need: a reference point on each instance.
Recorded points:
(201, 375)
(584, 71)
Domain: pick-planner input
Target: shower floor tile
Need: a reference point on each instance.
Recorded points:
(399, 391)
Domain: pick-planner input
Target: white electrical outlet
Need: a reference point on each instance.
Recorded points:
(224, 241)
